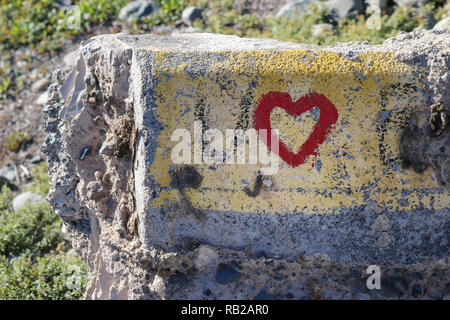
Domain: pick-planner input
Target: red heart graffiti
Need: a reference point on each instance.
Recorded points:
(328, 117)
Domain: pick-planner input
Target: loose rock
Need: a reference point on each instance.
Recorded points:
(443, 24)
(136, 10)
(25, 198)
(9, 173)
(415, 3)
(39, 85)
(295, 9)
(70, 58)
(381, 4)
(320, 29)
(190, 14)
(345, 8)
(42, 99)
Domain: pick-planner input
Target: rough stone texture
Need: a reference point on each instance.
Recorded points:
(101, 134)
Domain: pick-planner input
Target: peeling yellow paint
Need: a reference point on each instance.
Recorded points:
(356, 164)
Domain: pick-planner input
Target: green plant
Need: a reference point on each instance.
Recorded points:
(171, 9)
(41, 184)
(98, 11)
(6, 198)
(169, 12)
(15, 141)
(300, 30)
(55, 276)
(32, 263)
(32, 229)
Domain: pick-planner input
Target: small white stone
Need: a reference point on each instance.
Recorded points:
(443, 24)
(42, 99)
(207, 259)
(39, 85)
(25, 198)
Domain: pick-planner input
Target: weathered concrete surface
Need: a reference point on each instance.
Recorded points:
(376, 191)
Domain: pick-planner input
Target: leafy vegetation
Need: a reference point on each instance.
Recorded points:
(300, 29)
(32, 229)
(54, 276)
(40, 179)
(43, 26)
(33, 261)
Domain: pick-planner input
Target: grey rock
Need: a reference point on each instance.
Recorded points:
(63, 3)
(381, 4)
(27, 198)
(320, 29)
(163, 29)
(36, 159)
(295, 9)
(414, 3)
(262, 8)
(444, 24)
(42, 99)
(39, 85)
(70, 58)
(345, 8)
(190, 14)
(8, 173)
(135, 10)
(65, 233)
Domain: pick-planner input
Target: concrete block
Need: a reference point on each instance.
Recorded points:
(361, 132)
